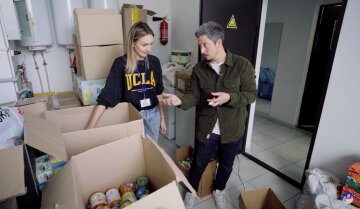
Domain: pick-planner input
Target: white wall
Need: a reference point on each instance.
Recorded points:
(58, 59)
(185, 19)
(337, 141)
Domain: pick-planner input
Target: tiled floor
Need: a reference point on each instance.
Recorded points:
(252, 176)
(277, 145)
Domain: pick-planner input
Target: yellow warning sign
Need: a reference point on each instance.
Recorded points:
(232, 23)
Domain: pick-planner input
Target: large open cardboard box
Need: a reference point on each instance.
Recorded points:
(12, 183)
(112, 164)
(260, 199)
(61, 133)
(206, 181)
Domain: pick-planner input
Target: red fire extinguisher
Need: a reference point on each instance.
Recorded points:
(164, 32)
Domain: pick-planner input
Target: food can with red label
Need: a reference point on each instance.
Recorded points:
(97, 199)
(113, 197)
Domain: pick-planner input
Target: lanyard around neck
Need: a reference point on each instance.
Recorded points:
(143, 86)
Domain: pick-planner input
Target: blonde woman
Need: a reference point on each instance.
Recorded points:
(136, 78)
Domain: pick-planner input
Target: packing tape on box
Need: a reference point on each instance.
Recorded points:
(134, 15)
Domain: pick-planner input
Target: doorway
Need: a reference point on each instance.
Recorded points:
(316, 79)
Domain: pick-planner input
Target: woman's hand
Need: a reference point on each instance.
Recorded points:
(163, 127)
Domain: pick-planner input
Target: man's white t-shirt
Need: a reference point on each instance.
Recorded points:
(216, 68)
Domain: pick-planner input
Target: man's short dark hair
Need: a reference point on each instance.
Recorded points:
(212, 30)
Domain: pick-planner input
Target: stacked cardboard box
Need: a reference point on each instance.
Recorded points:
(351, 190)
(98, 42)
(131, 14)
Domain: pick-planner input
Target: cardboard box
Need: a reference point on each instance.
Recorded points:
(97, 60)
(95, 27)
(88, 90)
(12, 183)
(60, 133)
(112, 164)
(259, 199)
(132, 14)
(63, 101)
(206, 181)
(182, 80)
(353, 193)
(354, 172)
(9, 204)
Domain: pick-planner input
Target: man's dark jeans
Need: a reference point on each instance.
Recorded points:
(204, 153)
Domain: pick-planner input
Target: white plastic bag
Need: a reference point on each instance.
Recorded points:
(11, 126)
(321, 182)
(304, 201)
(169, 70)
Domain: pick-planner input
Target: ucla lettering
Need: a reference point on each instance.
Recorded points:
(134, 80)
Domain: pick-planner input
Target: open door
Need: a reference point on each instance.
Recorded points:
(316, 80)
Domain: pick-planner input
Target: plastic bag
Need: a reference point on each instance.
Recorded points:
(11, 126)
(169, 70)
(304, 201)
(321, 182)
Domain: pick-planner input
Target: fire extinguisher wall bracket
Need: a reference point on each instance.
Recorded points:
(164, 32)
(157, 18)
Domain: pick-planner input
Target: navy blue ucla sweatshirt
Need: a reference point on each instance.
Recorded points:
(121, 86)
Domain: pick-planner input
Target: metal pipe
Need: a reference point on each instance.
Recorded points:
(37, 70)
(46, 72)
(12, 79)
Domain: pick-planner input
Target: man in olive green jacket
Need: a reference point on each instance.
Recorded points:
(221, 87)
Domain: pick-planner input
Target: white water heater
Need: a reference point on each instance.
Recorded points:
(34, 24)
(63, 13)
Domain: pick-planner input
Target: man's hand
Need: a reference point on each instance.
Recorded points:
(171, 99)
(219, 98)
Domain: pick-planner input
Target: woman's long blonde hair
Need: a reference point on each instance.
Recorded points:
(137, 31)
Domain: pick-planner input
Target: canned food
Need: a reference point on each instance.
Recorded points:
(142, 182)
(97, 200)
(140, 192)
(113, 197)
(102, 207)
(128, 187)
(130, 196)
(126, 203)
